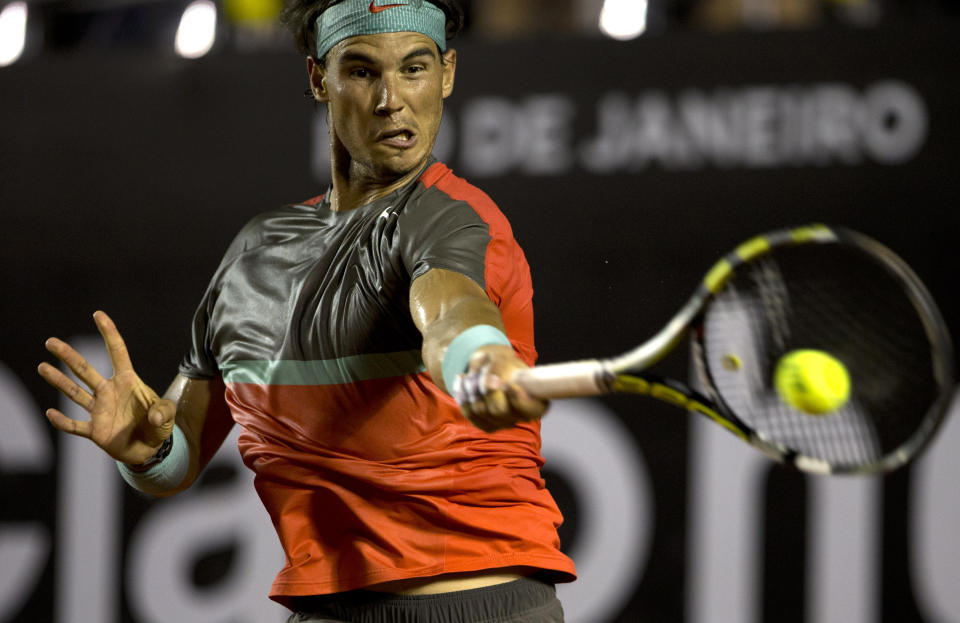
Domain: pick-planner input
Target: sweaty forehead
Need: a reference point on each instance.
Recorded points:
(383, 47)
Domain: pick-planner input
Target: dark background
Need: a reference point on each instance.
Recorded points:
(124, 177)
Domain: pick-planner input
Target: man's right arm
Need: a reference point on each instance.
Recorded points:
(204, 417)
(131, 423)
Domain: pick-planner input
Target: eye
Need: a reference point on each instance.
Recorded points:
(360, 72)
(416, 69)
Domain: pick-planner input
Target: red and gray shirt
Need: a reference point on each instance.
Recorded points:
(370, 472)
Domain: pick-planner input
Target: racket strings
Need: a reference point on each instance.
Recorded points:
(838, 301)
(774, 301)
(847, 438)
(748, 392)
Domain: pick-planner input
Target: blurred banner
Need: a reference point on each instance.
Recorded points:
(626, 169)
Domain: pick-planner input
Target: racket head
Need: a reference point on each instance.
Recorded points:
(840, 292)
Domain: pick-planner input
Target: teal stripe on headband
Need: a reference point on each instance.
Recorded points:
(351, 18)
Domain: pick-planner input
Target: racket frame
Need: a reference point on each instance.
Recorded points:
(626, 373)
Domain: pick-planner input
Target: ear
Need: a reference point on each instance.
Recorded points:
(317, 75)
(449, 71)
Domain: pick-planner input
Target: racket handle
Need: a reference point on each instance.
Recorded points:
(565, 380)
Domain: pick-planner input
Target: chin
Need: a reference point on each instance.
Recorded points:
(399, 166)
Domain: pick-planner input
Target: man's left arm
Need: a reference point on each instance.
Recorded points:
(463, 333)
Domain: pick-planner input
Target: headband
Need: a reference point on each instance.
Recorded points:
(351, 18)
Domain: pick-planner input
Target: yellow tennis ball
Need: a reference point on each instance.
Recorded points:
(812, 381)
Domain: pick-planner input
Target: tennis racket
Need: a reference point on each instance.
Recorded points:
(815, 287)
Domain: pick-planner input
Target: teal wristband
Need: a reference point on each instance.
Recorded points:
(165, 475)
(457, 357)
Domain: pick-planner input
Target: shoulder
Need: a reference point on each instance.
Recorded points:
(441, 185)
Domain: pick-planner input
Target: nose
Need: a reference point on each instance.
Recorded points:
(388, 97)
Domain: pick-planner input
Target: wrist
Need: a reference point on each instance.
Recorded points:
(162, 452)
(456, 359)
(160, 475)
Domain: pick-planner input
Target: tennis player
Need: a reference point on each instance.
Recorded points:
(335, 331)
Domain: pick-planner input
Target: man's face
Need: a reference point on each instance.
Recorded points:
(385, 96)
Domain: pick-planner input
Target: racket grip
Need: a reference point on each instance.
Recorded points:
(565, 380)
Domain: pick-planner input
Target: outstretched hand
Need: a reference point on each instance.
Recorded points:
(486, 395)
(128, 420)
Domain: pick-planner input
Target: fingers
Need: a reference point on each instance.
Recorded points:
(55, 377)
(75, 361)
(524, 402)
(62, 423)
(471, 393)
(80, 367)
(162, 413)
(116, 347)
(160, 416)
(65, 385)
(491, 403)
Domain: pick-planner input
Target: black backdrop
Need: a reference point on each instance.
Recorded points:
(122, 180)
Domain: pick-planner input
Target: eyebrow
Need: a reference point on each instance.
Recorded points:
(349, 57)
(424, 51)
(359, 57)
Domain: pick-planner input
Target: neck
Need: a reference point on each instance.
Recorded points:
(353, 186)
(349, 193)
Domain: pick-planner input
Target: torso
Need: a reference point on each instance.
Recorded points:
(372, 476)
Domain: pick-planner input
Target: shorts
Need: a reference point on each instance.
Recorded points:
(527, 600)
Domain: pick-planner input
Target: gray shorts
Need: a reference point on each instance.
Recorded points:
(527, 600)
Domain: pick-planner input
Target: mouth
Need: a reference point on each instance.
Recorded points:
(401, 138)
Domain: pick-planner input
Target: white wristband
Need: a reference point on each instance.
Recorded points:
(457, 357)
(165, 475)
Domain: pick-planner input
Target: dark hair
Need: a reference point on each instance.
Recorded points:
(300, 16)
